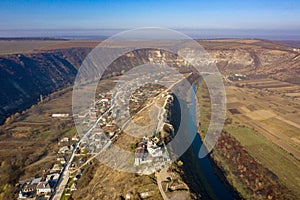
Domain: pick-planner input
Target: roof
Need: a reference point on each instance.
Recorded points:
(25, 181)
(36, 181)
(28, 188)
(73, 187)
(53, 176)
(43, 185)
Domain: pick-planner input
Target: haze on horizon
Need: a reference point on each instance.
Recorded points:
(199, 19)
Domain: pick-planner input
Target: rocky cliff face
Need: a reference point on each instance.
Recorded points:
(253, 58)
(256, 58)
(282, 65)
(24, 77)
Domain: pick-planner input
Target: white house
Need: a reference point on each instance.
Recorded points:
(153, 149)
(59, 115)
(43, 188)
(65, 139)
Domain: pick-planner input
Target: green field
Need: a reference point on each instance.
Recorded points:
(285, 166)
(270, 155)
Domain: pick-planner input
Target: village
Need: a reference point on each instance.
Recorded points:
(71, 154)
(106, 125)
(74, 152)
(43, 187)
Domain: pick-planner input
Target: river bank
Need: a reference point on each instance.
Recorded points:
(203, 176)
(238, 166)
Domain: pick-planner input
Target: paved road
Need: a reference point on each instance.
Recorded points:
(63, 180)
(65, 175)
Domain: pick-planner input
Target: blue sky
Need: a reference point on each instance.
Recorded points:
(126, 14)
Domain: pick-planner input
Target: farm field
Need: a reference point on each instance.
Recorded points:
(265, 120)
(25, 46)
(31, 46)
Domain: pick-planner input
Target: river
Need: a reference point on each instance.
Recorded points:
(210, 181)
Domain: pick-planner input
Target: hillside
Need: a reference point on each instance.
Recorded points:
(26, 76)
(272, 72)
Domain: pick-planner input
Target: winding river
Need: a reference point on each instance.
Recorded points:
(217, 186)
(205, 171)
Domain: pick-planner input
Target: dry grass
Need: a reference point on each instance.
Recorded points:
(25, 46)
(275, 131)
(259, 114)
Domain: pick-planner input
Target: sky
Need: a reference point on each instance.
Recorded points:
(66, 16)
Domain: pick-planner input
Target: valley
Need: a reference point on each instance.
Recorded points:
(258, 152)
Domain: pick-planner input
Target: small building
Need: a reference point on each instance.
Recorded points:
(64, 149)
(43, 188)
(29, 186)
(22, 195)
(111, 133)
(62, 160)
(106, 100)
(77, 176)
(145, 195)
(84, 115)
(65, 139)
(129, 196)
(59, 115)
(56, 168)
(93, 114)
(153, 149)
(73, 187)
(36, 181)
(52, 177)
(141, 156)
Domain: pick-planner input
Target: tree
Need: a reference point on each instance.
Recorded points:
(133, 147)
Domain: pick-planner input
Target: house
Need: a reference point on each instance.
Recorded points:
(22, 195)
(56, 168)
(65, 139)
(75, 139)
(93, 114)
(36, 181)
(62, 160)
(26, 181)
(73, 187)
(111, 133)
(153, 149)
(141, 155)
(106, 100)
(73, 166)
(129, 196)
(28, 187)
(84, 115)
(77, 176)
(52, 177)
(138, 157)
(43, 188)
(64, 149)
(145, 195)
(58, 115)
